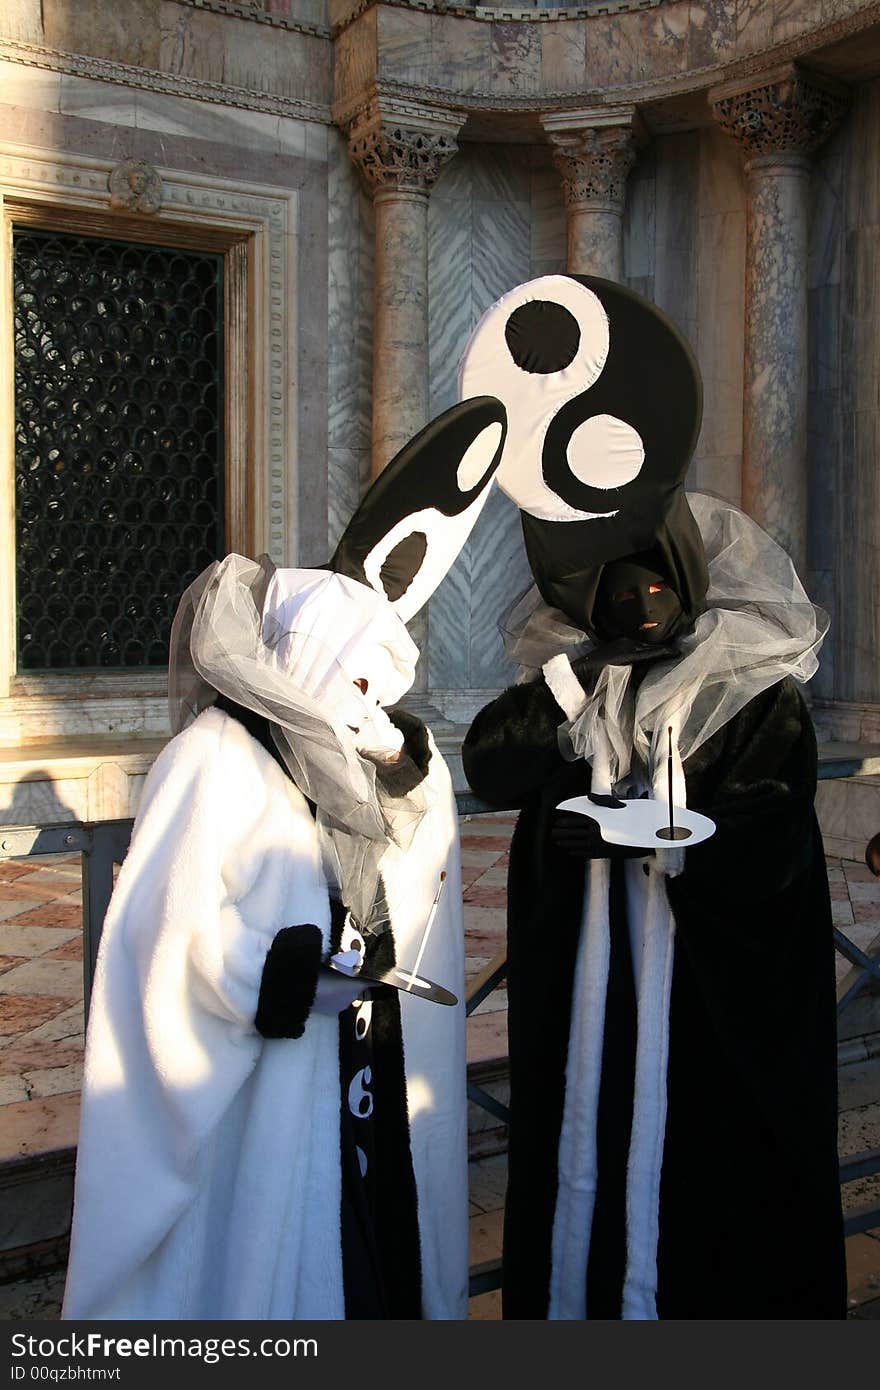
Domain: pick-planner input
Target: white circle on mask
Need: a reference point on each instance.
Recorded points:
(605, 452)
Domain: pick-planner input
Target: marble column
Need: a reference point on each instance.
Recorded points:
(594, 150)
(400, 151)
(778, 121)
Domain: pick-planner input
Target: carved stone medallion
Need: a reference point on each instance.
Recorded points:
(135, 187)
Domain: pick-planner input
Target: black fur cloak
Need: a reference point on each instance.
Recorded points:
(749, 1221)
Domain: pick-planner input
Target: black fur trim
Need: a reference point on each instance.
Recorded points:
(397, 1224)
(411, 768)
(290, 978)
(338, 914)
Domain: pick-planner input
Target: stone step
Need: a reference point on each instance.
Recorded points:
(38, 1157)
(848, 797)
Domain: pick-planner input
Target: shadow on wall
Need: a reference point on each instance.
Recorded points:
(34, 800)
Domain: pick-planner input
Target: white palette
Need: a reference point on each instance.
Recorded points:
(636, 823)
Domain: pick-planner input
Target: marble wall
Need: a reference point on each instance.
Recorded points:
(350, 241)
(165, 36)
(824, 290)
(684, 247)
(844, 407)
(496, 218)
(857, 552)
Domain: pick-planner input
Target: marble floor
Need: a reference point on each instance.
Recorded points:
(41, 1038)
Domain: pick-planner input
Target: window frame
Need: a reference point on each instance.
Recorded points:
(237, 424)
(254, 228)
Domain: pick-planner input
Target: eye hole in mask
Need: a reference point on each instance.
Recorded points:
(622, 595)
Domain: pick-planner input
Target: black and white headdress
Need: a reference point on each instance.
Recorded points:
(603, 401)
(409, 529)
(318, 653)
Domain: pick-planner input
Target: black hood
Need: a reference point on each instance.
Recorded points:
(675, 547)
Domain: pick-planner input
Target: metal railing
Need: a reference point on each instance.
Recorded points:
(101, 844)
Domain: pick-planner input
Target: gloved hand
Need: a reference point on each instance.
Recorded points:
(335, 992)
(580, 837)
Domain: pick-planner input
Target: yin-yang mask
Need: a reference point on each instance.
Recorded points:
(603, 402)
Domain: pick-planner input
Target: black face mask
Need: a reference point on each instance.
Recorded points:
(635, 602)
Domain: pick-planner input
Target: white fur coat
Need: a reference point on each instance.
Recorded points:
(208, 1172)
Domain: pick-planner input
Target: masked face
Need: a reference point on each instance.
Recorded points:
(362, 712)
(635, 602)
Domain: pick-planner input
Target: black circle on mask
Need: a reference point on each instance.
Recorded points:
(542, 336)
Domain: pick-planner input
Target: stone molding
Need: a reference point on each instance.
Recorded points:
(488, 15)
(786, 112)
(641, 93)
(594, 151)
(258, 16)
(747, 71)
(401, 147)
(168, 83)
(60, 779)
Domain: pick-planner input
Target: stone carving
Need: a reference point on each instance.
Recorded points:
(791, 112)
(135, 187)
(594, 163)
(401, 149)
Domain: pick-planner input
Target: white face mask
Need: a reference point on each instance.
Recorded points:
(345, 647)
(371, 668)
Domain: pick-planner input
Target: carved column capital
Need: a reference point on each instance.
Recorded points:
(400, 147)
(594, 152)
(785, 112)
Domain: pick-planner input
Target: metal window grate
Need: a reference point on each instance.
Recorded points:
(119, 444)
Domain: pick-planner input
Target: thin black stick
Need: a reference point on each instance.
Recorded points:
(672, 831)
(669, 782)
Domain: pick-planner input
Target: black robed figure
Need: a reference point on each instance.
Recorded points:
(671, 1015)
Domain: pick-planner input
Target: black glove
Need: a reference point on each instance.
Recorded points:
(289, 981)
(580, 837)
